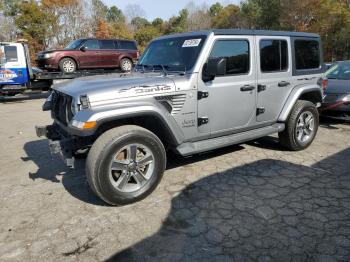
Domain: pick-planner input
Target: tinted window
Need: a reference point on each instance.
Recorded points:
(273, 55)
(92, 44)
(127, 45)
(237, 54)
(107, 44)
(11, 54)
(307, 54)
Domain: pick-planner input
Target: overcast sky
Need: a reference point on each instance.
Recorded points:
(163, 8)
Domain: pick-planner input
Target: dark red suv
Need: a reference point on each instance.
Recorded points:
(91, 54)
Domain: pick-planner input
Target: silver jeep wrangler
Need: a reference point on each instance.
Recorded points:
(189, 93)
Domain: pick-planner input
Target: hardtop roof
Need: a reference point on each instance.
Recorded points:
(245, 32)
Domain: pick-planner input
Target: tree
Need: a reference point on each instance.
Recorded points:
(144, 35)
(215, 9)
(139, 22)
(198, 17)
(178, 24)
(102, 29)
(132, 10)
(227, 17)
(262, 14)
(115, 15)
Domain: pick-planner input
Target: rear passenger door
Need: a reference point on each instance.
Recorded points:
(274, 67)
(109, 53)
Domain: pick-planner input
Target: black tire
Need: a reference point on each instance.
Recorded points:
(125, 65)
(103, 152)
(288, 137)
(68, 65)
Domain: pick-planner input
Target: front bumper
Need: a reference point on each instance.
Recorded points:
(64, 146)
(46, 63)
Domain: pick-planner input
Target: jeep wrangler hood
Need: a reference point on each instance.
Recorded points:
(114, 86)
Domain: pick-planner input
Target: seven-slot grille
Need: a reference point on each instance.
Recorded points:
(61, 107)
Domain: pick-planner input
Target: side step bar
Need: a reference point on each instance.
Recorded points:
(190, 148)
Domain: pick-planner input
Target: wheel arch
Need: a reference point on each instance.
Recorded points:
(312, 93)
(71, 57)
(151, 121)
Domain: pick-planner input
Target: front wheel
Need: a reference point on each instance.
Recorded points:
(301, 126)
(125, 164)
(68, 65)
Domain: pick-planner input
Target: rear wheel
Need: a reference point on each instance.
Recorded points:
(125, 164)
(301, 127)
(125, 65)
(68, 65)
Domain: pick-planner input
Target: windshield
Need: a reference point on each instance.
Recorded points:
(74, 44)
(172, 54)
(339, 71)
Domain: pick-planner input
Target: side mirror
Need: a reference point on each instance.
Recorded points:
(214, 67)
(83, 48)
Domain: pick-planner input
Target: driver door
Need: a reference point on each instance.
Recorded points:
(229, 102)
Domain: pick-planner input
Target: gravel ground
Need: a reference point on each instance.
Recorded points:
(242, 203)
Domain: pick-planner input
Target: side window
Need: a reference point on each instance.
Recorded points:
(11, 53)
(307, 54)
(107, 44)
(127, 45)
(237, 54)
(273, 55)
(92, 44)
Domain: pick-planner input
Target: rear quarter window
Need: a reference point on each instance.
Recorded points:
(307, 54)
(127, 45)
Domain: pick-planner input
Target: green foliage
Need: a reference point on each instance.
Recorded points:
(115, 15)
(215, 9)
(227, 17)
(139, 22)
(178, 24)
(144, 35)
(262, 14)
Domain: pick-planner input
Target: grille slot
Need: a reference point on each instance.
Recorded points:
(173, 103)
(61, 107)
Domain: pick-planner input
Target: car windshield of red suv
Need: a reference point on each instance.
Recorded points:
(74, 44)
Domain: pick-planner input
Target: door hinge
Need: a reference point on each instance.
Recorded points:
(261, 88)
(203, 121)
(202, 94)
(260, 110)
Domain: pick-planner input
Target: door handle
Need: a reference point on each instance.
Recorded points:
(247, 88)
(283, 84)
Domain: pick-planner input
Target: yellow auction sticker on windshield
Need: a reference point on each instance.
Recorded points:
(191, 43)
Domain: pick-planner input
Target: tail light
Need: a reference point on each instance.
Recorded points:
(324, 83)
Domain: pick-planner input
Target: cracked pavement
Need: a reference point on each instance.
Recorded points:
(251, 202)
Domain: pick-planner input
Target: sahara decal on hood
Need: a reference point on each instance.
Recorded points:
(6, 75)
